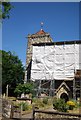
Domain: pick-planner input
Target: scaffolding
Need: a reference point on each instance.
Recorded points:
(77, 85)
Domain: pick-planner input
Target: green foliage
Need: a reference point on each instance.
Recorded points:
(24, 105)
(45, 100)
(60, 105)
(5, 9)
(38, 103)
(0, 69)
(71, 104)
(24, 88)
(34, 99)
(12, 71)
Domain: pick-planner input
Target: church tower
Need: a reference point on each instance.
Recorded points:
(39, 37)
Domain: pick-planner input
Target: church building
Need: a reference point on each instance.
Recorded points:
(55, 67)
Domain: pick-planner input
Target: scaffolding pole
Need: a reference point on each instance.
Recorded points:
(74, 90)
(80, 78)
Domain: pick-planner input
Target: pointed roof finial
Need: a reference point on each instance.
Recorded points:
(41, 25)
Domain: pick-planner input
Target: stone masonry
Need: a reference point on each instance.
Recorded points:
(59, 88)
(39, 37)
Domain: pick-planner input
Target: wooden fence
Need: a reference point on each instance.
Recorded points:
(9, 110)
(71, 115)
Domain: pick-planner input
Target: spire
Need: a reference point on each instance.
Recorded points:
(40, 32)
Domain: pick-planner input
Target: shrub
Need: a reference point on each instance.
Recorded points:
(24, 88)
(30, 107)
(25, 106)
(71, 104)
(78, 103)
(34, 99)
(50, 101)
(38, 103)
(60, 105)
(45, 100)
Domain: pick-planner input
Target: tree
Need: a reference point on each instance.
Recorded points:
(24, 88)
(5, 8)
(12, 71)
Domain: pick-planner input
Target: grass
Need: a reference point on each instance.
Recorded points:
(75, 110)
(26, 112)
(37, 102)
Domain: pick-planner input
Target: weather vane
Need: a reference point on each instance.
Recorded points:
(41, 25)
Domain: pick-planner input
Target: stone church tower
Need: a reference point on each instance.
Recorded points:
(39, 37)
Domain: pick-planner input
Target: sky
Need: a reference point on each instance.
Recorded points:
(61, 20)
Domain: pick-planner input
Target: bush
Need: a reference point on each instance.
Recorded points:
(38, 103)
(34, 99)
(45, 100)
(78, 104)
(71, 104)
(24, 88)
(60, 105)
(25, 106)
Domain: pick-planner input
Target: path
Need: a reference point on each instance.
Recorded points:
(29, 115)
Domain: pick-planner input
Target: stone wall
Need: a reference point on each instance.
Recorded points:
(34, 39)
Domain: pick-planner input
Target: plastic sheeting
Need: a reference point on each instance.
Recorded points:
(55, 61)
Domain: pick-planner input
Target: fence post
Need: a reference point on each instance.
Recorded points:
(12, 111)
(21, 107)
(33, 113)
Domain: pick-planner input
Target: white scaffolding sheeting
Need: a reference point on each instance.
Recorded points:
(55, 61)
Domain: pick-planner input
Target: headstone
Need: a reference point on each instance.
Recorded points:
(22, 95)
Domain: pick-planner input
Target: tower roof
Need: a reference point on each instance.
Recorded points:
(40, 32)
